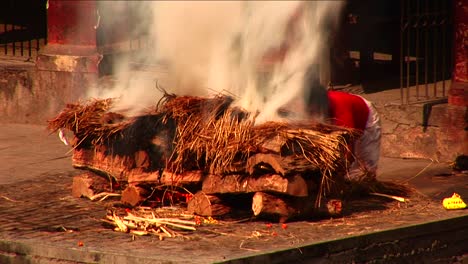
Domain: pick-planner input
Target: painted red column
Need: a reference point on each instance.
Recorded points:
(458, 92)
(68, 65)
(71, 31)
(459, 89)
(71, 22)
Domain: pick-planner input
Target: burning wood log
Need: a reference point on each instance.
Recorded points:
(282, 165)
(207, 205)
(183, 178)
(273, 144)
(285, 208)
(294, 185)
(131, 169)
(89, 184)
(134, 195)
(97, 160)
(265, 162)
(138, 175)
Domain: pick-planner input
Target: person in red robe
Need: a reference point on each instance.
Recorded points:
(355, 112)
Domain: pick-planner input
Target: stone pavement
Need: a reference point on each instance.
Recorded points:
(42, 223)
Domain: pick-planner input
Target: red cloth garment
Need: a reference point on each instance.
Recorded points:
(348, 110)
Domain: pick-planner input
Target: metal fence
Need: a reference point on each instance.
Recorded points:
(23, 27)
(426, 50)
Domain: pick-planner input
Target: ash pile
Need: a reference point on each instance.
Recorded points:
(207, 156)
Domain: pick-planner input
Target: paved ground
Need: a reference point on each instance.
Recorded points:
(42, 222)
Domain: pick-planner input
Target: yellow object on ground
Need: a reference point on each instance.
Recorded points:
(454, 202)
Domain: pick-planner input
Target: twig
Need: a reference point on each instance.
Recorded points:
(249, 249)
(174, 220)
(179, 226)
(164, 221)
(8, 199)
(104, 195)
(139, 232)
(420, 172)
(165, 231)
(120, 224)
(398, 198)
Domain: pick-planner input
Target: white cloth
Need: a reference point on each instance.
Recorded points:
(367, 147)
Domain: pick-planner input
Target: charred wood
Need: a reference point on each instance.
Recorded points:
(134, 195)
(294, 185)
(274, 163)
(89, 184)
(183, 178)
(284, 208)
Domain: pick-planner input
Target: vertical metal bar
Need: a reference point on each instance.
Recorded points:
(408, 51)
(37, 46)
(29, 48)
(44, 36)
(416, 26)
(6, 43)
(22, 44)
(451, 33)
(443, 24)
(434, 41)
(13, 44)
(426, 50)
(402, 34)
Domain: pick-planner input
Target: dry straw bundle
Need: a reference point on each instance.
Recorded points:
(208, 132)
(89, 120)
(322, 145)
(212, 135)
(212, 132)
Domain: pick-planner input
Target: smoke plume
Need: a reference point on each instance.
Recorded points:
(256, 51)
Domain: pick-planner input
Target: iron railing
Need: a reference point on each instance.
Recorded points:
(23, 27)
(426, 52)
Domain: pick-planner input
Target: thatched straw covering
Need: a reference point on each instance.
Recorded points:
(212, 135)
(219, 136)
(89, 121)
(209, 132)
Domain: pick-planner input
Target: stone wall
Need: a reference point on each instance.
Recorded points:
(17, 93)
(404, 136)
(29, 95)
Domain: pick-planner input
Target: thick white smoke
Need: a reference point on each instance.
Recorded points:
(214, 47)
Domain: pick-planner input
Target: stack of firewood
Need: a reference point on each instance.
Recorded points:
(208, 149)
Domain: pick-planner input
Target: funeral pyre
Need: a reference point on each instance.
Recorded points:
(207, 155)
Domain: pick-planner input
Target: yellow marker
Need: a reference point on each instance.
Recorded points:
(454, 202)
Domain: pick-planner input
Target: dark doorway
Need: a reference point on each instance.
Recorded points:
(389, 44)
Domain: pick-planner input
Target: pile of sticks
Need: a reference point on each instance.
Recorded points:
(146, 221)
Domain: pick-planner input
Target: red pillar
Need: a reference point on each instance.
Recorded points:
(71, 23)
(71, 31)
(458, 92)
(68, 65)
(459, 89)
